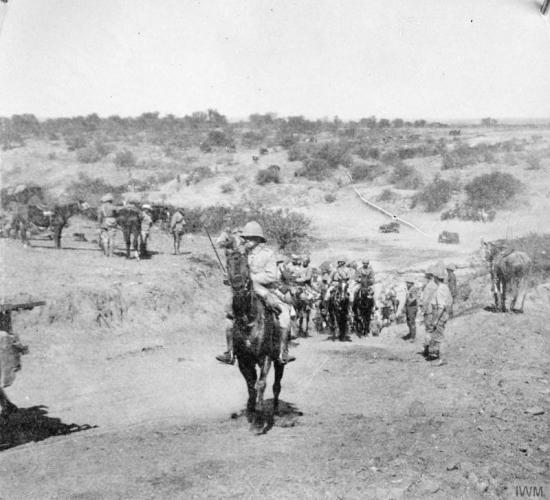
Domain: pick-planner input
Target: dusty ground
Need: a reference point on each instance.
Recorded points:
(137, 407)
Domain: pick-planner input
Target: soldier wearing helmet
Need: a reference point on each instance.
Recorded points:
(341, 274)
(439, 308)
(263, 272)
(363, 276)
(177, 228)
(107, 224)
(146, 218)
(451, 282)
(412, 300)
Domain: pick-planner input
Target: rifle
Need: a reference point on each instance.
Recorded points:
(215, 251)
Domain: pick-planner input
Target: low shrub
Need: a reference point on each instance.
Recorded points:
(267, 175)
(405, 177)
(227, 188)
(52, 156)
(198, 174)
(92, 189)
(434, 195)
(330, 197)
(366, 172)
(533, 162)
(492, 190)
(125, 159)
(75, 142)
(89, 154)
(288, 229)
(387, 195)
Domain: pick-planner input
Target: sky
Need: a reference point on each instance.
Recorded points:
(431, 59)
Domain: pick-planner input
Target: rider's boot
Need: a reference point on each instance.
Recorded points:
(227, 357)
(284, 357)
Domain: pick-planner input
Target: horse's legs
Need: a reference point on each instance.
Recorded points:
(503, 295)
(23, 232)
(523, 287)
(261, 383)
(248, 371)
(279, 370)
(6, 405)
(57, 229)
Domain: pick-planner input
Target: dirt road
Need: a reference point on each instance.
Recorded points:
(140, 409)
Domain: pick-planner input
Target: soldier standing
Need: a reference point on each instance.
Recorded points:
(439, 307)
(146, 223)
(452, 284)
(177, 228)
(107, 224)
(411, 308)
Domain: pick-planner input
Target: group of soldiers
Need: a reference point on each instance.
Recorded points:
(436, 300)
(279, 280)
(108, 225)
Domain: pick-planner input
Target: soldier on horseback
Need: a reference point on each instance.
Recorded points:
(107, 224)
(263, 273)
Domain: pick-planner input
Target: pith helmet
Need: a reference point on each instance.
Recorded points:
(253, 230)
(146, 206)
(341, 258)
(365, 260)
(306, 258)
(279, 258)
(452, 267)
(107, 197)
(295, 256)
(439, 272)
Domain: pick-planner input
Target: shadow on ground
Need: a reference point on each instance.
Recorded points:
(33, 424)
(286, 416)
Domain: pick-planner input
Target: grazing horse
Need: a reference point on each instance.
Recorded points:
(509, 269)
(362, 307)
(338, 310)
(256, 337)
(129, 221)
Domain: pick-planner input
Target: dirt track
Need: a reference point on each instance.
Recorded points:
(365, 419)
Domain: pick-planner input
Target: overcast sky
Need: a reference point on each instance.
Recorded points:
(352, 58)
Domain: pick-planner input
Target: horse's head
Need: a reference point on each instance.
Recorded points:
(238, 272)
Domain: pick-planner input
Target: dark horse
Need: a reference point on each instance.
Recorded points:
(129, 220)
(362, 307)
(338, 310)
(303, 302)
(256, 337)
(55, 219)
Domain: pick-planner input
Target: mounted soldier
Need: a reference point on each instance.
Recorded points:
(263, 273)
(107, 224)
(363, 275)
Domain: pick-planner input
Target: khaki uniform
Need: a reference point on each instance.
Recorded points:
(177, 228)
(412, 300)
(361, 274)
(439, 308)
(453, 286)
(146, 224)
(338, 275)
(107, 227)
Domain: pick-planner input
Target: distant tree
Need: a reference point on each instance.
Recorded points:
(125, 159)
(216, 119)
(419, 123)
(489, 122)
(26, 124)
(383, 123)
(258, 120)
(369, 122)
(397, 123)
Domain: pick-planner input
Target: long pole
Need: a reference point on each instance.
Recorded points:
(380, 209)
(215, 251)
